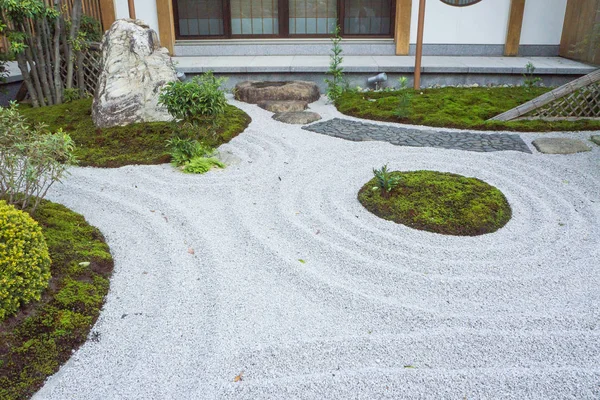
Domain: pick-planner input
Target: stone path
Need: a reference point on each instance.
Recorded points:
(360, 131)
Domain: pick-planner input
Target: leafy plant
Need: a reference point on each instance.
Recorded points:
(335, 85)
(386, 182)
(182, 151)
(72, 94)
(529, 79)
(200, 165)
(92, 28)
(32, 159)
(404, 99)
(195, 100)
(24, 260)
(402, 83)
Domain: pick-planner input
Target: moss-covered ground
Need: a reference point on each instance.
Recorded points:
(464, 108)
(439, 202)
(41, 336)
(142, 143)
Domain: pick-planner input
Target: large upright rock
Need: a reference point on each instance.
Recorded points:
(134, 69)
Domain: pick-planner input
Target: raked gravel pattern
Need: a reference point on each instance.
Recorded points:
(469, 141)
(374, 310)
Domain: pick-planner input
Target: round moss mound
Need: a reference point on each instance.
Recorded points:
(42, 335)
(439, 202)
(24, 260)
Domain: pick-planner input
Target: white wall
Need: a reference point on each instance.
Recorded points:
(487, 22)
(144, 10)
(481, 23)
(543, 21)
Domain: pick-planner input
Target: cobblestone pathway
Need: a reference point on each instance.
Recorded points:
(360, 131)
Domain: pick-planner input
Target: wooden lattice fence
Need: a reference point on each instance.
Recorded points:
(91, 63)
(579, 99)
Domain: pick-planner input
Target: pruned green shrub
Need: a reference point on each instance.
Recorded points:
(194, 100)
(31, 160)
(24, 260)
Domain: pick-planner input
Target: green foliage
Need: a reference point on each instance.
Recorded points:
(200, 165)
(24, 260)
(336, 85)
(92, 28)
(529, 80)
(70, 95)
(184, 150)
(32, 158)
(464, 108)
(386, 182)
(196, 99)
(404, 97)
(142, 143)
(35, 343)
(439, 202)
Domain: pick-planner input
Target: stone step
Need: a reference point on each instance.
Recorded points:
(297, 117)
(283, 106)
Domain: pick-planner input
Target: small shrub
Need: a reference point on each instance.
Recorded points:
(200, 165)
(195, 100)
(530, 80)
(24, 260)
(72, 94)
(386, 182)
(335, 85)
(92, 28)
(404, 99)
(32, 159)
(182, 151)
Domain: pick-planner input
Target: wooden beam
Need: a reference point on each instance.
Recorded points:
(107, 11)
(166, 27)
(419, 52)
(515, 23)
(131, 4)
(402, 30)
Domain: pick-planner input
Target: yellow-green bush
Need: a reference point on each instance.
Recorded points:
(24, 260)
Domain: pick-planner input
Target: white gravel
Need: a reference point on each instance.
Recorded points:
(376, 311)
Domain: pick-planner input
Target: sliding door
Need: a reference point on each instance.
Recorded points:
(367, 17)
(206, 19)
(312, 17)
(255, 17)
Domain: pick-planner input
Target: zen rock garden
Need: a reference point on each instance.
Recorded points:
(163, 238)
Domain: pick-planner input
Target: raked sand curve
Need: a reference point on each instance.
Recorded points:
(375, 311)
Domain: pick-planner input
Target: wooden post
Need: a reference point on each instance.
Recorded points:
(402, 30)
(166, 27)
(419, 52)
(131, 4)
(107, 11)
(515, 24)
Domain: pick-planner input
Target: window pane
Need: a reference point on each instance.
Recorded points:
(200, 17)
(367, 17)
(312, 17)
(254, 17)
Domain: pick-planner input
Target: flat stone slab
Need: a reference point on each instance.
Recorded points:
(255, 91)
(560, 146)
(360, 131)
(283, 106)
(595, 139)
(297, 118)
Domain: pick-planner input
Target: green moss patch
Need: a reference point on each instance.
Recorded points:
(439, 202)
(142, 143)
(464, 108)
(40, 338)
